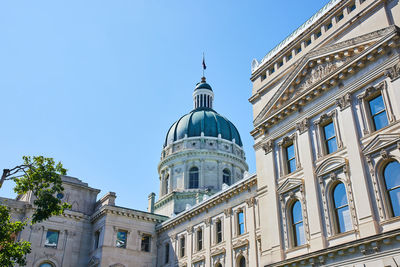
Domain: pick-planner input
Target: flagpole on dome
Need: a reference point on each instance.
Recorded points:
(204, 64)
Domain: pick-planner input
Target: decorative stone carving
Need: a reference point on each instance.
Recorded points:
(384, 154)
(302, 126)
(251, 201)
(189, 230)
(207, 221)
(228, 212)
(344, 101)
(394, 72)
(268, 146)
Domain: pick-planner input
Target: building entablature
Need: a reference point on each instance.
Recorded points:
(193, 155)
(202, 143)
(318, 30)
(247, 183)
(355, 251)
(321, 71)
(134, 214)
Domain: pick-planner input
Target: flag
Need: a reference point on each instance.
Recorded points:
(204, 64)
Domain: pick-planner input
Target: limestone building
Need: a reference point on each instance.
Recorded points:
(326, 130)
(326, 191)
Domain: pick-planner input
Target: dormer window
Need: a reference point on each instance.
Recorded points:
(308, 42)
(352, 7)
(298, 50)
(340, 17)
(318, 34)
(289, 57)
(280, 64)
(329, 25)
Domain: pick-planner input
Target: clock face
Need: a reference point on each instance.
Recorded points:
(60, 195)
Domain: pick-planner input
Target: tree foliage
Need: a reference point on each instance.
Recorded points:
(42, 177)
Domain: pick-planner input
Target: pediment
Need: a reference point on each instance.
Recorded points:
(289, 184)
(330, 165)
(318, 71)
(380, 141)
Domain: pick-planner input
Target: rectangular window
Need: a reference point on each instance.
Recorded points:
(308, 42)
(340, 17)
(121, 239)
(280, 64)
(271, 70)
(318, 34)
(96, 239)
(352, 7)
(378, 112)
(330, 138)
(218, 229)
(240, 218)
(289, 57)
(166, 256)
(290, 158)
(263, 77)
(199, 240)
(182, 241)
(329, 26)
(298, 50)
(51, 239)
(145, 246)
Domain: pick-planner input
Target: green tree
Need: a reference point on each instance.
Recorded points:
(42, 177)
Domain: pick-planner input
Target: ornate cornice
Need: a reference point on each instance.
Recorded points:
(221, 197)
(352, 59)
(394, 72)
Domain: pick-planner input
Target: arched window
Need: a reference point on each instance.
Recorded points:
(242, 262)
(226, 177)
(218, 265)
(341, 208)
(194, 177)
(46, 264)
(297, 225)
(391, 173)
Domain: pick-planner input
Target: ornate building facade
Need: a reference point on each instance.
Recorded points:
(326, 192)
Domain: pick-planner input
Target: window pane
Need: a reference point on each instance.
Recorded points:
(331, 145)
(194, 177)
(329, 131)
(291, 165)
(290, 152)
(344, 219)
(395, 201)
(121, 239)
(145, 243)
(376, 105)
(380, 120)
(242, 262)
(392, 175)
(299, 234)
(51, 239)
(296, 213)
(339, 196)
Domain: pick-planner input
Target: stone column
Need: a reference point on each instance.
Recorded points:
(207, 241)
(189, 243)
(316, 238)
(228, 236)
(202, 176)
(251, 229)
(173, 252)
(269, 205)
(358, 173)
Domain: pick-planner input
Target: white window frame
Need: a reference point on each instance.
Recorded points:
(319, 124)
(285, 142)
(368, 94)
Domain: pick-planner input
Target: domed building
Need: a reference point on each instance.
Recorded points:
(202, 152)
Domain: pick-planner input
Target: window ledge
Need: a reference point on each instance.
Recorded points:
(390, 220)
(291, 174)
(379, 131)
(297, 248)
(326, 156)
(342, 234)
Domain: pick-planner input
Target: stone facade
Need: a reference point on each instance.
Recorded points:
(326, 107)
(329, 75)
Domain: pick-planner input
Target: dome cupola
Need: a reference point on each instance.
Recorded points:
(203, 95)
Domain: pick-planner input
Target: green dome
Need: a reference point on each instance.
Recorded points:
(203, 85)
(204, 120)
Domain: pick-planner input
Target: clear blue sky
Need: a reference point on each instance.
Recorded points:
(97, 84)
